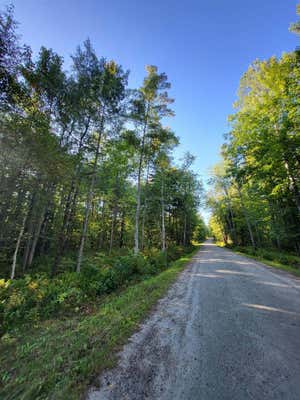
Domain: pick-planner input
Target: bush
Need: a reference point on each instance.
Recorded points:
(37, 297)
(174, 252)
(159, 260)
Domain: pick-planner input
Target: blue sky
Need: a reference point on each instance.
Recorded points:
(203, 46)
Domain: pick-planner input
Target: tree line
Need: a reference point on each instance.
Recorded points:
(255, 197)
(86, 163)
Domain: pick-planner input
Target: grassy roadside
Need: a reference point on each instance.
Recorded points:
(271, 263)
(58, 359)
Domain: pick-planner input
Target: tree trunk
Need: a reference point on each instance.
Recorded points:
(137, 213)
(163, 228)
(293, 185)
(89, 201)
(70, 205)
(145, 206)
(184, 230)
(100, 234)
(30, 227)
(121, 241)
(63, 232)
(36, 237)
(13, 267)
(113, 222)
(138, 197)
(247, 219)
(231, 215)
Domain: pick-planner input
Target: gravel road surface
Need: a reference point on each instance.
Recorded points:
(229, 329)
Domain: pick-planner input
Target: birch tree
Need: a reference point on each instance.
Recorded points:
(149, 106)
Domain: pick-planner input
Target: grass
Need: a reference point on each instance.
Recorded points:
(272, 263)
(58, 359)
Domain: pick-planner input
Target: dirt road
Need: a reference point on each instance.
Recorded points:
(228, 329)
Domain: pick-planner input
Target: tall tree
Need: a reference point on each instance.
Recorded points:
(149, 106)
(106, 84)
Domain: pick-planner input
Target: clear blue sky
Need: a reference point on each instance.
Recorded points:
(204, 46)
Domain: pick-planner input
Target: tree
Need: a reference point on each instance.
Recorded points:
(85, 164)
(295, 27)
(260, 183)
(106, 83)
(149, 106)
(12, 56)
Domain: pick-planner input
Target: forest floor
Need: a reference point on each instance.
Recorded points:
(229, 328)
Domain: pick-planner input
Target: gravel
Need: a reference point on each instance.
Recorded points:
(229, 329)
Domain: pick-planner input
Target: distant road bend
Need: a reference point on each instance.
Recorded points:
(228, 329)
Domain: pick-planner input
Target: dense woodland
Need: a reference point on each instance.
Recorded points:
(91, 199)
(85, 163)
(256, 188)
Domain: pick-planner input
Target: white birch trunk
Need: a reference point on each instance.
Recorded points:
(138, 197)
(163, 228)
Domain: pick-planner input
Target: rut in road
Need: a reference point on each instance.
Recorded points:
(229, 329)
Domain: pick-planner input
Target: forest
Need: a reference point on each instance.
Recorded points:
(88, 181)
(255, 196)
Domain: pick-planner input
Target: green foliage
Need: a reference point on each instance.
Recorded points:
(38, 297)
(60, 358)
(295, 27)
(272, 255)
(85, 164)
(256, 189)
(273, 258)
(201, 231)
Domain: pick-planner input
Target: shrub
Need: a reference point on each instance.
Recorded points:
(37, 297)
(159, 260)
